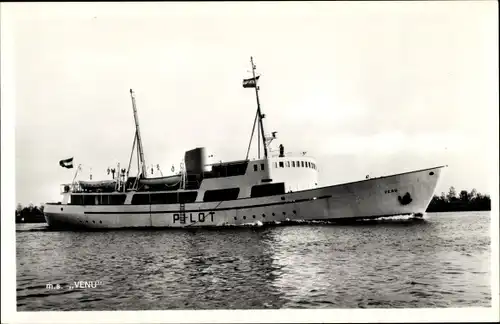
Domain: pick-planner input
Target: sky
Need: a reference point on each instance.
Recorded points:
(365, 87)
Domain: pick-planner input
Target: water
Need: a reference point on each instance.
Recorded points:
(443, 261)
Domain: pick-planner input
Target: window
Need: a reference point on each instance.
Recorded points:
(262, 166)
(287, 164)
(89, 199)
(255, 167)
(293, 164)
(268, 190)
(76, 200)
(281, 164)
(308, 164)
(103, 199)
(140, 199)
(158, 198)
(221, 194)
(227, 170)
(117, 199)
(275, 165)
(187, 197)
(172, 198)
(302, 162)
(164, 198)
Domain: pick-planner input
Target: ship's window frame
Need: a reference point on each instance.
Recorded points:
(76, 199)
(158, 198)
(117, 199)
(186, 197)
(89, 200)
(287, 164)
(224, 170)
(275, 165)
(293, 164)
(140, 199)
(302, 163)
(102, 199)
(221, 194)
(262, 168)
(282, 164)
(255, 167)
(269, 189)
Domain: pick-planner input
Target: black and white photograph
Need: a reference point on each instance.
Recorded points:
(250, 161)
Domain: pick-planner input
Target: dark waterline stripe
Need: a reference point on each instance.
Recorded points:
(209, 209)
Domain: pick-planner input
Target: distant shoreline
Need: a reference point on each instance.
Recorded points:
(464, 201)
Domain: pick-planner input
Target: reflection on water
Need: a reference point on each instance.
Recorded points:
(440, 262)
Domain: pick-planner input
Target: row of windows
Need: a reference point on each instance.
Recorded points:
(97, 199)
(227, 170)
(256, 167)
(183, 197)
(295, 164)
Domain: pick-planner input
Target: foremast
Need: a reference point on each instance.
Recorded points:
(138, 140)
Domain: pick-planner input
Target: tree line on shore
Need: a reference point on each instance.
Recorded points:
(464, 201)
(29, 214)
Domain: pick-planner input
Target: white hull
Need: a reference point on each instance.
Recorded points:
(400, 194)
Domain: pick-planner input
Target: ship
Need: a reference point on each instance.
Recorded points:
(274, 187)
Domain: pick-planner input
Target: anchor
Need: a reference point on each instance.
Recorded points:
(406, 199)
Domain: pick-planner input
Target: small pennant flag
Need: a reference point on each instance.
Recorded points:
(68, 163)
(250, 83)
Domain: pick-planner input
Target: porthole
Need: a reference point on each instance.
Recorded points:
(93, 222)
(61, 209)
(253, 216)
(244, 217)
(263, 215)
(284, 213)
(274, 214)
(295, 212)
(282, 198)
(86, 221)
(431, 173)
(100, 222)
(235, 218)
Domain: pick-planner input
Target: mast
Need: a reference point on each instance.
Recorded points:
(259, 113)
(138, 137)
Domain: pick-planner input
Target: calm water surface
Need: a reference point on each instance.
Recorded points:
(443, 261)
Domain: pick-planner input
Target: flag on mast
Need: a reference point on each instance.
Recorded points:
(68, 163)
(250, 83)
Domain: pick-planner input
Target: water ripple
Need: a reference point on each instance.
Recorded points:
(440, 262)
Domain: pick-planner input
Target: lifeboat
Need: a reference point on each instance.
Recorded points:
(98, 184)
(168, 180)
